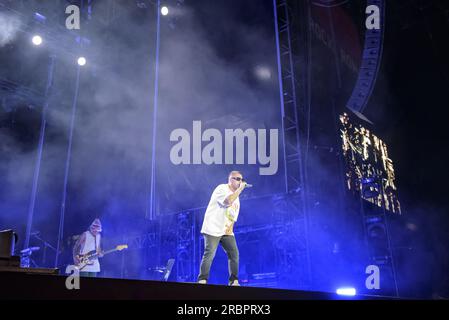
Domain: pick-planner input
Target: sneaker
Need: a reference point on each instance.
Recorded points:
(202, 281)
(234, 283)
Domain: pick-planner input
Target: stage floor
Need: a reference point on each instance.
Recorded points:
(32, 286)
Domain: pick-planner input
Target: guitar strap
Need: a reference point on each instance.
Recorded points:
(96, 245)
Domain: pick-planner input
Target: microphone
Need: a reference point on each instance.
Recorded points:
(247, 184)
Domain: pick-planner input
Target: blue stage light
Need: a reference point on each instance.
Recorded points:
(346, 291)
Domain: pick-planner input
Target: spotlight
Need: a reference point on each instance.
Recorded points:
(82, 61)
(37, 40)
(346, 291)
(164, 11)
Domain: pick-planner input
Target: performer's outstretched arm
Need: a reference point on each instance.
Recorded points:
(231, 198)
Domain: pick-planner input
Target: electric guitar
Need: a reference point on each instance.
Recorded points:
(91, 256)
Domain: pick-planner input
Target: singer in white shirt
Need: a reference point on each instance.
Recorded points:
(218, 226)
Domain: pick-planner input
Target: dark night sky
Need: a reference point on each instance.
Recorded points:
(414, 116)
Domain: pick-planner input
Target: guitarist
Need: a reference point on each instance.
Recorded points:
(87, 242)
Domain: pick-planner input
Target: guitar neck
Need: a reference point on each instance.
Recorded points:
(109, 251)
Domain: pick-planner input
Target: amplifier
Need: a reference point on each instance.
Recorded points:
(13, 261)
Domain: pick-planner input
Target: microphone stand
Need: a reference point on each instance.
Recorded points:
(46, 245)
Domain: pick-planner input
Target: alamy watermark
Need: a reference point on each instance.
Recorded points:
(189, 147)
(373, 20)
(73, 21)
(73, 280)
(373, 280)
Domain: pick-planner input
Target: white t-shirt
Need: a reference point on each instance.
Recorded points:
(218, 217)
(89, 245)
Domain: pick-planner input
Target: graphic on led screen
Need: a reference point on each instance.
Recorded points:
(369, 171)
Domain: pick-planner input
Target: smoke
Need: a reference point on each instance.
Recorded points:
(113, 123)
(196, 82)
(9, 27)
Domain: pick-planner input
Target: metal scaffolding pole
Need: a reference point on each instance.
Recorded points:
(69, 153)
(67, 167)
(295, 174)
(151, 208)
(39, 152)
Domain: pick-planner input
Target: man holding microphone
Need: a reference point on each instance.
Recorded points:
(218, 227)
